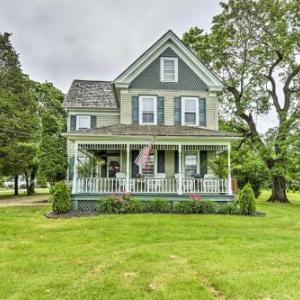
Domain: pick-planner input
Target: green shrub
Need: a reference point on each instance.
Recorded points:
(228, 209)
(136, 206)
(159, 206)
(247, 200)
(113, 204)
(61, 198)
(185, 207)
(205, 207)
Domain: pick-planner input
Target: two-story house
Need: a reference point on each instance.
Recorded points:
(167, 98)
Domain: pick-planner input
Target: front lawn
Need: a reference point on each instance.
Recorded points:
(151, 256)
(6, 194)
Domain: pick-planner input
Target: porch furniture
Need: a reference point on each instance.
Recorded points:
(121, 181)
(156, 184)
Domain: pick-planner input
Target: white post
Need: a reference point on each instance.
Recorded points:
(229, 171)
(74, 185)
(179, 191)
(127, 167)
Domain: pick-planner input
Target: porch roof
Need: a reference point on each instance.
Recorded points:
(153, 130)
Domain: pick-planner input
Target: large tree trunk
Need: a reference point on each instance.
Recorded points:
(278, 190)
(30, 184)
(16, 187)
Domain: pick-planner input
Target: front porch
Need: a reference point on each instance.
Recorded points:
(175, 169)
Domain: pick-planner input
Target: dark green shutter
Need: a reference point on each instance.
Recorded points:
(93, 121)
(135, 109)
(202, 112)
(134, 166)
(160, 161)
(160, 111)
(176, 162)
(177, 110)
(73, 123)
(71, 168)
(203, 163)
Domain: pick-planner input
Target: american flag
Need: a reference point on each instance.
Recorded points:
(143, 157)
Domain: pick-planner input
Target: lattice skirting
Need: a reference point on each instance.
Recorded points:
(87, 205)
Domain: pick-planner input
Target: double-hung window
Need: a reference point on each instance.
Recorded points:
(83, 122)
(169, 69)
(148, 110)
(190, 111)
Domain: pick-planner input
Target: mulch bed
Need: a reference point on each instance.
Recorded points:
(76, 214)
(70, 214)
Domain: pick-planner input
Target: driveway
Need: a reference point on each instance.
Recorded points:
(24, 201)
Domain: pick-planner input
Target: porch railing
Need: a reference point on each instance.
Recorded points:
(151, 185)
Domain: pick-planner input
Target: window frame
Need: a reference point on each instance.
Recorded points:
(183, 99)
(162, 60)
(78, 121)
(141, 98)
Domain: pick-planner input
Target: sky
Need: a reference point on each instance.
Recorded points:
(62, 40)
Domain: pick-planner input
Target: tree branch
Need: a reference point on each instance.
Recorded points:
(287, 92)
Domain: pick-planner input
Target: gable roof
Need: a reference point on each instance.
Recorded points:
(169, 39)
(91, 93)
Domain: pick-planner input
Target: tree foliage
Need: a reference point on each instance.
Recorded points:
(253, 46)
(18, 119)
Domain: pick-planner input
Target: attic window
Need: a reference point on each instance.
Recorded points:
(168, 69)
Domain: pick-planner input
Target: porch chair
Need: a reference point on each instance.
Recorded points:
(156, 184)
(121, 181)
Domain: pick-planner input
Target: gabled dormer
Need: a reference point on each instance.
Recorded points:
(168, 85)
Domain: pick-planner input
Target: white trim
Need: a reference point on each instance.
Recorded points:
(172, 41)
(183, 99)
(141, 98)
(162, 60)
(77, 121)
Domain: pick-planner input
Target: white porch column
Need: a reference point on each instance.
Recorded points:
(179, 191)
(127, 166)
(74, 185)
(229, 171)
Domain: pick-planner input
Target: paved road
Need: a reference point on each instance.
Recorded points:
(24, 201)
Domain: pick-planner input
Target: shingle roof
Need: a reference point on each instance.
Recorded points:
(138, 130)
(91, 93)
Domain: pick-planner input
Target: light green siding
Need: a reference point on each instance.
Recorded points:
(103, 118)
(169, 95)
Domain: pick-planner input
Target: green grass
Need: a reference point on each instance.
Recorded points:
(9, 193)
(151, 256)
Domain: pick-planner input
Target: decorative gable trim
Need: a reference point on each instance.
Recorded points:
(169, 40)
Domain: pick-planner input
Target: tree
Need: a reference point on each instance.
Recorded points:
(52, 154)
(253, 46)
(19, 123)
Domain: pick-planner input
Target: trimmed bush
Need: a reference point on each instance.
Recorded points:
(228, 209)
(247, 200)
(114, 204)
(185, 207)
(205, 207)
(61, 198)
(136, 206)
(159, 206)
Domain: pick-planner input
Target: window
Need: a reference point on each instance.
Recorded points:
(168, 69)
(148, 110)
(190, 165)
(190, 111)
(83, 122)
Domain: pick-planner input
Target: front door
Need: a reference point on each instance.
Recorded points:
(190, 165)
